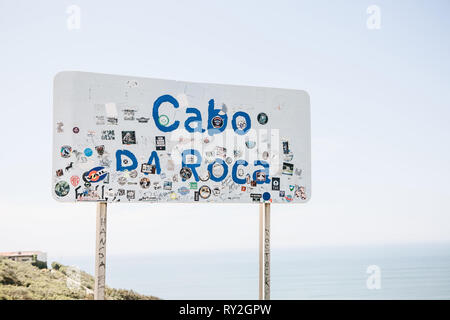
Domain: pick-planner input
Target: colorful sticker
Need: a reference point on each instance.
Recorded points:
(205, 192)
(262, 118)
(95, 175)
(66, 151)
(62, 188)
(88, 152)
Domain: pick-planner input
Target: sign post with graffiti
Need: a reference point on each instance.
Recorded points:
(128, 139)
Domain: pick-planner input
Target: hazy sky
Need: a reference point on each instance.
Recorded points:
(380, 104)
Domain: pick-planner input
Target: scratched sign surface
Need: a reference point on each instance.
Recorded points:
(129, 139)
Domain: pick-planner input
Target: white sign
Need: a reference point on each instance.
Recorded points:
(128, 139)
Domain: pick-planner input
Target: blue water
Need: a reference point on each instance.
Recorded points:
(407, 272)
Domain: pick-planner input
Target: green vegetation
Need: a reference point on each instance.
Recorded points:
(24, 281)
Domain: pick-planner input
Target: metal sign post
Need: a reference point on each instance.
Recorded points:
(100, 252)
(264, 251)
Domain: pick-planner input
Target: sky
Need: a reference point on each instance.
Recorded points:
(380, 109)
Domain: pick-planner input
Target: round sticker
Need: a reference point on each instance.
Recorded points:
(266, 196)
(62, 189)
(217, 122)
(66, 151)
(122, 180)
(228, 160)
(88, 152)
(185, 173)
(133, 174)
(163, 120)
(183, 191)
(217, 170)
(145, 183)
(76, 129)
(204, 192)
(263, 118)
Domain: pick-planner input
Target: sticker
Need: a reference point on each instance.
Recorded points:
(62, 189)
(148, 168)
(100, 120)
(131, 194)
(121, 192)
(145, 183)
(265, 155)
(112, 120)
(183, 191)
(128, 137)
(291, 187)
(66, 151)
(128, 114)
(260, 176)
(205, 192)
(59, 172)
(289, 198)
(76, 130)
(282, 194)
(108, 135)
(88, 152)
(285, 147)
(221, 152)
(288, 168)
(217, 170)
(217, 122)
(250, 144)
(256, 196)
(298, 172)
(100, 150)
(240, 172)
(288, 157)
(133, 174)
(275, 183)
(228, 160)
(163, 120)
(193, 185)
(167, 185)
(216, 191)
(74, 180)
(69, 166)
(173, 196)
(262, 118)
(185, 173)
(95, 175)
(142, 120)
(59, 127)
(243, 188)
(196, 196)
(266, 196)
(160, 142)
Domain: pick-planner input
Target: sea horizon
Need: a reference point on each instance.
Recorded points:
(406, 271)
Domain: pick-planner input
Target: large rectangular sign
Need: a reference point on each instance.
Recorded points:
(129, 139)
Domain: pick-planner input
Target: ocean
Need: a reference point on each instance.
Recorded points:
(405, 272)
